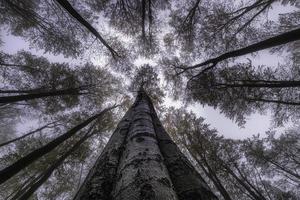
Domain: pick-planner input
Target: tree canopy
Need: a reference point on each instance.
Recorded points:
(238, 57)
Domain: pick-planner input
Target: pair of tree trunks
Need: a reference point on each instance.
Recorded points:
(22, 163)
(141, 161)
(42, 178)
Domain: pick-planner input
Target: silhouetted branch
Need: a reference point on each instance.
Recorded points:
(268, 43)
(69, 8)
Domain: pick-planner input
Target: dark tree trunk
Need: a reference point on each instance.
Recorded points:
(20, 91)
(69, 8)
(243, 183)
(26, 97)
(22, 163)
(143, 11)
(264, 84)
(268, 43)
(141, 161)
(15, 65)
(47, 173)
(273, 101)
(211, 174)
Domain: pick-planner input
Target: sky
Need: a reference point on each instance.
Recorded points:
(256, 123)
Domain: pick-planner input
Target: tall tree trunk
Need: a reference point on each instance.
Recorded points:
(26, 97)
(268, 43)
(141, 171)
(141, 161)
(100, 180)
(69, 8)
(265, 84)
(211, 174)
(243, 183)
(273, 101)
(47, 173)
(20, 164)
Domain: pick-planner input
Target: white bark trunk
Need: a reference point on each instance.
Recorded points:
(141, 162)
(100, 180)
(141, 172)
(188, 183)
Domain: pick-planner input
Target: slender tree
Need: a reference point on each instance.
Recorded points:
(37, 95)
(20, 164)
(69, 8)
(35, 184)
(268, 43)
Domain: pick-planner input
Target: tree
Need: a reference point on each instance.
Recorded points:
(141, 160)
(68, 7)
(235, 168)
(131, 165)
(271, 42)
(279, 155)
(13, 169)
(29, 77)
(35, 184)
(135, 18)
(49, 27)
(65, 178)
(216, 33)
(243, 89)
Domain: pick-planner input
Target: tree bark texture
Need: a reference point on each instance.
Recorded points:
(141, 162)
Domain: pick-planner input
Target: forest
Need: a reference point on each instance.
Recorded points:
(131, 99)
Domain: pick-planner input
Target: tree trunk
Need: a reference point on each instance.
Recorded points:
(69, 8)
(214, 178)
(26, 97)
(100, 180)
(265, 84)
(268, 43)
(243, 183)
(273, 101)
(20, 164)
(141, 161)
(47, 173)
